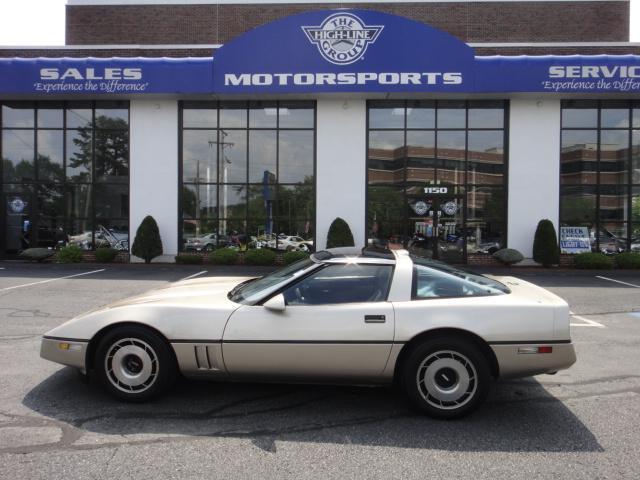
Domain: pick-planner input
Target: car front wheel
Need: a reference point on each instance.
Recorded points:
(134, 364)
(446, 377)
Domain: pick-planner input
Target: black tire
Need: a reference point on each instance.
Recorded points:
(134, 364)
(446, 377)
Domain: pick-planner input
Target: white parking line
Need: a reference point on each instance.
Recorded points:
(193, 276)
(587, 322)
(617, 281)
(51, 280)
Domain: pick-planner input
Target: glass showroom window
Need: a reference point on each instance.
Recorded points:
(436, 176)
(65, 174)
(600, 172)
(248, 175)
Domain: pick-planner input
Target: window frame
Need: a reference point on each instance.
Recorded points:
(247, 219)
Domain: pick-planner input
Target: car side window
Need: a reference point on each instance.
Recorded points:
(341, 283)
(433, 283)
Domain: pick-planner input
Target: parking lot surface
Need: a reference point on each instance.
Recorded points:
(580, 423)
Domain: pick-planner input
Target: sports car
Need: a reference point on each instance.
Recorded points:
(368, 316)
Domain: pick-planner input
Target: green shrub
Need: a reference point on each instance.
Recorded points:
(339, 234)
(37, 254)
(106, 254)
(508, 256)
(627, 260)
(224, 256)
(189, 259)
(69, 254)
(545, 244)
(262, 256)
(593, 261)
(148, 244)
(292, 257)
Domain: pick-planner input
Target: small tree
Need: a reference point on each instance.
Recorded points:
(339, 234)
(148, 244)
(545, 244)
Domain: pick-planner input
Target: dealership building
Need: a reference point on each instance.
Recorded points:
(450, 127)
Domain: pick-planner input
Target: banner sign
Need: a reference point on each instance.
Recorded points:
(328, 51)
(574, 240)
(96, 76)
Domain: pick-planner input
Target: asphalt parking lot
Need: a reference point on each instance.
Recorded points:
(580, 423)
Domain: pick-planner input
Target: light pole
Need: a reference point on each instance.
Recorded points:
(226, 162)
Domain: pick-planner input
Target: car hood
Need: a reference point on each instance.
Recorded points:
(192, 309)
(198, 291)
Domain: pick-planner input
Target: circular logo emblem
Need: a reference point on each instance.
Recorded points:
(17, 205)
(342, 38)
(450, 208)
(420, 207)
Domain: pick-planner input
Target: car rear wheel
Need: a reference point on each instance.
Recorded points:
(446, 377)
(134, 364)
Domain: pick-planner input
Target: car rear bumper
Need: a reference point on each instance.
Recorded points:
(65, 351)
(522, 360)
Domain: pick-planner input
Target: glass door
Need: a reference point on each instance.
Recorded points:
(18, 222)
(437, 227)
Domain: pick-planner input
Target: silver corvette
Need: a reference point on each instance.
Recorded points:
(343, 315)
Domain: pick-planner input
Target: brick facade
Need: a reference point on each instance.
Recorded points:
(469, 21)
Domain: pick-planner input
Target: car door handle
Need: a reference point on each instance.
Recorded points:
(375, 319)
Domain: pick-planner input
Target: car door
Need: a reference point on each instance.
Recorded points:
(336, 323)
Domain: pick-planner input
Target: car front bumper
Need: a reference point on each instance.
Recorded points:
(65, 351)
(522, 360)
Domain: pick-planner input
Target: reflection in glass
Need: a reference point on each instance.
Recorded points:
(296, 156)
(612, 237)
(200, 118)
(614, 156)
(578, 205)
(295, 201)
(17, 155)
(18, 115)
(199, 155)
(50, 153)
(486, 211)
(233, 156)
(635, 204)
(50, 118)
(79, 118)
(485, 157)
(233, 115)
(112, 155)
(635, 157)
(233, 201)
(199, 201)
(111, 201)
(580, 117)
(292, 115)
(51, 232)
(262, 156)
(420, 114)
(112, 117)
(263, 115)
(451, 114)
(451, 156)
(421, 156)
(486, 117)
(386, 157)
(613, 202)
(389, 116)
(579, 156)
(385, 213)
(79, 201)
(614, 117)
(79, 153)
(50, 200)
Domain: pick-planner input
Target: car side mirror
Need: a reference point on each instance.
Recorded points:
(276, 303)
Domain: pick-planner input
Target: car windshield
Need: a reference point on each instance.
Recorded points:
(253, 290)
(460, 273)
